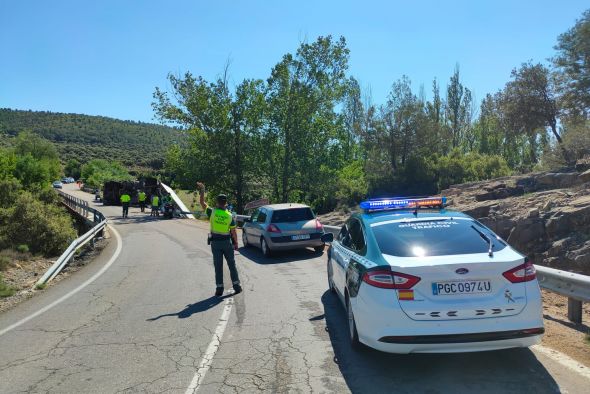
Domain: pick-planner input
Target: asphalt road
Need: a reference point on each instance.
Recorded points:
(149, 323)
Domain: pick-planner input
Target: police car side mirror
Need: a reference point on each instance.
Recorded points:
(327, 238)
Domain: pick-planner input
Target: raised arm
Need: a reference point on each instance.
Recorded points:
(201, 189)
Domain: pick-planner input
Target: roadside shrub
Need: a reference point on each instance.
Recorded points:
(458, 168)
(4, 263)
(9, 192)
(48, 195)
(46, 229)
(5, 290)
(23, 248)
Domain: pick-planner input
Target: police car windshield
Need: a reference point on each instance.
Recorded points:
(292, 215)
(433, 238)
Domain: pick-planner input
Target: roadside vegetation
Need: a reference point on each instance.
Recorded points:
(311, 133)
(31, 219)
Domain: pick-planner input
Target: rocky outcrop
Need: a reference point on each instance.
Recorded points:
(543, 215)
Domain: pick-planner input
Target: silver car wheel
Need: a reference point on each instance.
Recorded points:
(244, 239)
(264, 247)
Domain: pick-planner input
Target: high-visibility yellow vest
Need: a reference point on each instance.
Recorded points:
(141, 196)
(125, 198)
(155, 201)
(221, 221)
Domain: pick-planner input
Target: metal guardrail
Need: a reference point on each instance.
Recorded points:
(332, 229)
(575, 287)
(81, 208)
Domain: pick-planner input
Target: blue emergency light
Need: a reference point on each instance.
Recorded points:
(402, 203)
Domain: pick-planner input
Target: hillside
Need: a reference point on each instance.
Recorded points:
(85, 137)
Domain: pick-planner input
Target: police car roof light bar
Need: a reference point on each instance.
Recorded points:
(385, 204)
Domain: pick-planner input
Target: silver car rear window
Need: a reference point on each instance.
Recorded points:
(292, 215)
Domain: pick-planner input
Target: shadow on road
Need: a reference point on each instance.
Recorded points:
(280, 257)
(135, 219)
(198, 307)
(505, 371)
(580, 327)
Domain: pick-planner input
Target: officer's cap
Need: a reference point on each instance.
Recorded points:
(221, 199)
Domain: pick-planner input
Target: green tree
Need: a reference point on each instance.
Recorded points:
(572, 68)
(529, 106)
(303, 128)
(220, 125)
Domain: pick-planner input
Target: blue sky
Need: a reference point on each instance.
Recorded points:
(106, 57)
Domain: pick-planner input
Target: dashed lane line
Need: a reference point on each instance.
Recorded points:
(77, 289)
(564, 360)
(207, 359)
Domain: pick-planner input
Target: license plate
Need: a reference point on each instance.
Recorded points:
(462, 287)
(299, 237)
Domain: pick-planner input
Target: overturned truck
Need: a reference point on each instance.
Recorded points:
(112, 190)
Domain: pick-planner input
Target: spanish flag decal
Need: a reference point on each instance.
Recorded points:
(406, 295)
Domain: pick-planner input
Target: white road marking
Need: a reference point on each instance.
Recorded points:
(564, 360)
(207, 359)
(77, 289)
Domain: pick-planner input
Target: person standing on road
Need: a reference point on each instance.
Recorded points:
(141, 199)
(223, 240)
(125, 200)
(155, 205)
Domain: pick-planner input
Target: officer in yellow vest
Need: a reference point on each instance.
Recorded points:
(224, 240)
(125, 200)
(155, 205)
(141, 198)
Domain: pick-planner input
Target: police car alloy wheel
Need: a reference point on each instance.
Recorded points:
(245, 239)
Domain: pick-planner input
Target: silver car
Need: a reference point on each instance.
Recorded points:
(283, 227)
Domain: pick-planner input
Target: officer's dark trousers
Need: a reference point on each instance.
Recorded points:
(125, 208)
(220, 249)
(142, 206)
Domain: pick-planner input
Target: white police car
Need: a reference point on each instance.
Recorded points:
(416, 278)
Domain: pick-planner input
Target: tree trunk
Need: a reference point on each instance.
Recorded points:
(239, 171)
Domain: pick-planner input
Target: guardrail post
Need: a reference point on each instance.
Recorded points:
(574, 310)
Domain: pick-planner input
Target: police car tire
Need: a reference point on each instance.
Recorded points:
(330, 276)
(264, 247)
(352, 332)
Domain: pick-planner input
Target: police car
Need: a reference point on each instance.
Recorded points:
(417, 278)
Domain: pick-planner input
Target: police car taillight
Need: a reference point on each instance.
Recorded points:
(390, 280)
(523, 273)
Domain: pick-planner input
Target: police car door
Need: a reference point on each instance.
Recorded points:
(341, 258)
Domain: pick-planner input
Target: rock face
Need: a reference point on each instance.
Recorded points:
(543, 215)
